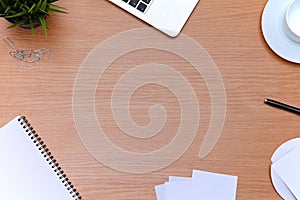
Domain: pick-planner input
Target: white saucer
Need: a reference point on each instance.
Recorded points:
(272, 27)
(278, 184)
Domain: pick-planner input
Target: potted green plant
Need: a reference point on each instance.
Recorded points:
(28, 13)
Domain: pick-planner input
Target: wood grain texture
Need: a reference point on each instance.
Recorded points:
(229, 31)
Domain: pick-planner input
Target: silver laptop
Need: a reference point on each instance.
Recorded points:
(169, 16)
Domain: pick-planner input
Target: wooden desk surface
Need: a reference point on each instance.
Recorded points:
(230, 32)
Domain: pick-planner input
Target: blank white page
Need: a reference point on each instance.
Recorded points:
(287, 169)
(203, 185)
(24, 172)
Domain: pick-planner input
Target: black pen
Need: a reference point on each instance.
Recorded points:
(283, 106)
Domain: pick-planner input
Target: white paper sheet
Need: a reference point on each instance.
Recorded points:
(288, 169)
(24, 172)
(160, 192)
(202, 185)
(178, 178)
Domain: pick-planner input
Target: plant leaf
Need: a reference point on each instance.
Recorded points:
(31, 26)
(16, 15)
(44, 24)
(31, 8)
(57, 6)
(16, 5)
(43, 6)
(7, 9)
(45, 12)
(3, 4)
(37, 7)
(17, 24)
(56, 10)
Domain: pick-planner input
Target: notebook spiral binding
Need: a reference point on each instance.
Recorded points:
(48, 157)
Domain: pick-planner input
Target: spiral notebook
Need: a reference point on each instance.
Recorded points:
(27, 169)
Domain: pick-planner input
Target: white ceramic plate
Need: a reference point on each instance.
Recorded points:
(273, 30)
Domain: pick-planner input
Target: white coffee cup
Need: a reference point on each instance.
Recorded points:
(292, 21)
